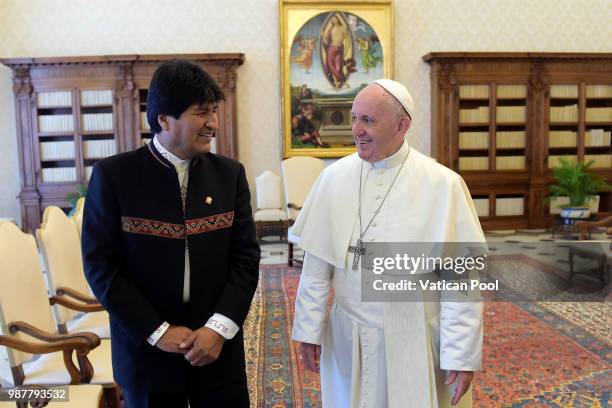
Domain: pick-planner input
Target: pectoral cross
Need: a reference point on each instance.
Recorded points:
(357, 251)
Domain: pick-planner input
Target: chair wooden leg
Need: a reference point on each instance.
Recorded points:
(111, 396)
(287, 230)
(290, 254)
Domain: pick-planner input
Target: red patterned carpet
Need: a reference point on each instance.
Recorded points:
(532, 356)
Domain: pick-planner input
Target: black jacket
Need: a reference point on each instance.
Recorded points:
(134, 233)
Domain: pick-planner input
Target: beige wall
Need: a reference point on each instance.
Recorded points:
(82, 27)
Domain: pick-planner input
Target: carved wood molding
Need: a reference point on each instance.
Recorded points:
(126, 88)
(228, 81)
(538, 76)
(22, 83)
(235, 59)
(541, 56)
(447, 77)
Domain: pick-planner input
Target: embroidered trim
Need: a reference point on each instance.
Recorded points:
(214, 222)
(152, 227)
(177, 231)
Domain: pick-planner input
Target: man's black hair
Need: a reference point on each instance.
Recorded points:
(175, 86)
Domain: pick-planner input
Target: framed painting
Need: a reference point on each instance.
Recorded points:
(330, 50)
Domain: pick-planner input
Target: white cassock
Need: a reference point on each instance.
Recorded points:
(388, 354)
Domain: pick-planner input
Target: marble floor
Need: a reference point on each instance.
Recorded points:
(274, 251)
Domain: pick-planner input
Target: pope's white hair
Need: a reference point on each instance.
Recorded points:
(399, 110)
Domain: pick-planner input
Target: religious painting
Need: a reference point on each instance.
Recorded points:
(329, 52)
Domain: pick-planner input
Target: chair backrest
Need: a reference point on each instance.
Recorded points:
(60, 246)
(77, 217)
(268, 189)
(299, 175)
(23, 294)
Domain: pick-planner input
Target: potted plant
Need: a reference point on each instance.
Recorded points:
(575, 182)
(72, 198)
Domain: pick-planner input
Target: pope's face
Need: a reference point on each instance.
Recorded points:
(376, 129)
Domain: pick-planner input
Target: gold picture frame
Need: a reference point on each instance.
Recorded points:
(330, 50)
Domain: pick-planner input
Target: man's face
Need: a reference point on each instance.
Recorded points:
(192, 133)
(375, 125)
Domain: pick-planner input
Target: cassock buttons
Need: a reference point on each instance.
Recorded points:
(208, 200)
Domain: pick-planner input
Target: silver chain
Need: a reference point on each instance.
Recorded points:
(362, 233)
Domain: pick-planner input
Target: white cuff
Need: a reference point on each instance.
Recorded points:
(222, 325)
(311, 300)
(157, 334)
(461, 333)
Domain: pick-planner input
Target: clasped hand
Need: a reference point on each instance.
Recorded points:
(200, 347)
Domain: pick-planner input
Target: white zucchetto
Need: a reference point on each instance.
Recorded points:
(399, 92)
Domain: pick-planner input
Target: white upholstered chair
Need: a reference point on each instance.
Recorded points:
(270, 211)
(27, 328)
(299, 175)
(60, 247)
(77, 217)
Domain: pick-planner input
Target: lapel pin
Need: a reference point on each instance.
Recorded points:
(208, 200)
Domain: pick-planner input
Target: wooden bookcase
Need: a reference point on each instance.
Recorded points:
(502, 120)
(73, 111)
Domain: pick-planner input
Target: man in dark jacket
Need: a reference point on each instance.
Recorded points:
(169, 249)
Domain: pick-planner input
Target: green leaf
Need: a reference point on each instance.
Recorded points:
(72, 198)
(575, 181)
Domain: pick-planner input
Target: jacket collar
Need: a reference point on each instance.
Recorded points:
(161, 159)
(177, 162)
(158, 156)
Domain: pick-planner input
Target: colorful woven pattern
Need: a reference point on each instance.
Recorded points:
(532, 356)
(152, 227)
(177, 231)
(213, 222)
(275, 374)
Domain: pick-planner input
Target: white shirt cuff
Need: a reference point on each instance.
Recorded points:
(222, 325)
(157, 334)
